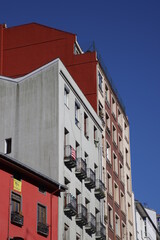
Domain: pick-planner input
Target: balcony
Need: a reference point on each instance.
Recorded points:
(43, 229)
(70, 205)
(81, 170)
(99, 189)
(81, 218)
(100, 231)
(90, 179)
(91, 224)
(69, 156)
(17, 219)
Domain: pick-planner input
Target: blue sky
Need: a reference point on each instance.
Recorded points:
(127, 34)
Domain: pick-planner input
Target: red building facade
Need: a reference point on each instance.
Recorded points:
(29, 203)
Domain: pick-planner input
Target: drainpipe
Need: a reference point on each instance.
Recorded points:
(51, 210)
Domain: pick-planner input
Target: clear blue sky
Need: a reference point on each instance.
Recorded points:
(127, 34)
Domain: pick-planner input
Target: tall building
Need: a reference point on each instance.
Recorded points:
(49, 126)
(146, 225)
(29, 202)
(33, 45)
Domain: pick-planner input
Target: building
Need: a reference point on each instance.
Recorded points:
(158, 222)
(49, 126)
(29, 202)
(146, 226)
(33, 45)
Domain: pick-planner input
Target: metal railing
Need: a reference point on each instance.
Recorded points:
(81, 165)
(100, 185)
(17, 218)
(90, 174)
(43, 228)
(70, 201)
(100, 230)
(81, 213)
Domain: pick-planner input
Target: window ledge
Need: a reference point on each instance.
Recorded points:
(115, 173)
(110, 195)
(115, 144)
(120, 127)
(109, 162)
(107, 102)
(130, 222)
(117, 204)
(114, 116)
(129, 193)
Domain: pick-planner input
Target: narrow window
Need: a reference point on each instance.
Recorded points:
(109, 183)
(117, 225)
(115, 162)
(42, 226)
(16, 212)
(108, 124)
(86, 126)
(110, 216)
(116, 193)
(107, 95)
(77, 113)
(114, 135)
(8, 145)
(66, 95)
(66, 232)
(108, 152)
(100, 79)
(113, 107)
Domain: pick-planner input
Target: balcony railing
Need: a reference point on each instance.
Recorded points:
(99, 189)
(81, 217)
(70, 205)
(17, 218)
(100, 231)
(91, 224)
(81, 170)
(90, 179)
(69, 156)
(43, 228)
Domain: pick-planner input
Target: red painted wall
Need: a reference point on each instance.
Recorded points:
(30, 197)
(28, 47)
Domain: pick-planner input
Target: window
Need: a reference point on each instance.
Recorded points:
(117, 225)
(109, 183)
(120, 144)
(108, 152)
(16, 202)
(123, 231)
(100, 81)
(87, 203)
(78, 237)
(42, 214)
(115, 163)
(107, 99)
(116, 193)
(127, 157)
(101, 114)
(122, 202)
(114, 134)
(129, 212)
(103, 149)
(78, 150)
(119, 118)
(113, 107)
(121, 172)
(95, 136)
(128, 184)
(110, 216)
(86, 133)
(108, 124)
(77, 113)
(66, 137)
(130, 236)
(126, 131)
(8, 145)
(66, 232)
(66, 95)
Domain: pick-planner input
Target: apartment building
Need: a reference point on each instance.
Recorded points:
(37, 45)
(48, 125)
(146, 225)
(29, 202)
